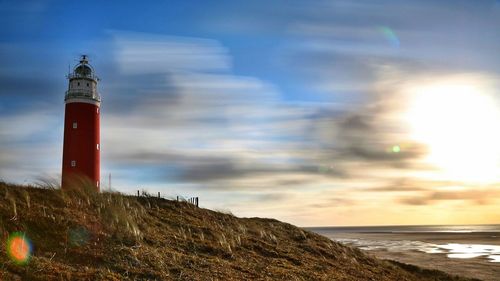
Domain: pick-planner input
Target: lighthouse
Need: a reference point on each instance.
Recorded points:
(81, 151)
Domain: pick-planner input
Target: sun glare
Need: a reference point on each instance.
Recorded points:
(458, 121)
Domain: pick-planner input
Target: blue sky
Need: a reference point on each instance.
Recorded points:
(286, 109)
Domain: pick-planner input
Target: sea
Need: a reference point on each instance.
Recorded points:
(467, 250)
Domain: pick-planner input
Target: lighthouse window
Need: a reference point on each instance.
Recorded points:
(97, 146)
(73, 163)
(87, 84)
(78, 83)
(75, 125)
(97, 183)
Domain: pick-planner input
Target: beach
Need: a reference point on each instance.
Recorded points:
(469, 251)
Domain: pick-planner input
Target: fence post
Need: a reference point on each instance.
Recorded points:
(177, 198)
(137, 193)
(158, 194)
(197, 201)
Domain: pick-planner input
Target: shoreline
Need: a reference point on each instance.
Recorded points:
(409, 248)
(472, 268)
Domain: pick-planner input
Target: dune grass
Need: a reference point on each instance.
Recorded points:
(78, 234)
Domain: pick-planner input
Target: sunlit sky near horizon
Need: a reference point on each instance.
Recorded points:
(315, 113)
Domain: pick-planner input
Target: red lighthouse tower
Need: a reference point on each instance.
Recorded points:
(81, 160)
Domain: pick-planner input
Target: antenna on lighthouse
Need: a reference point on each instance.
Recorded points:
(84, 59)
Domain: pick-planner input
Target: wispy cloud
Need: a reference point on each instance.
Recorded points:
(143, 53)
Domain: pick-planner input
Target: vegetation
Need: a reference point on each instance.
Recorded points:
(78, 234)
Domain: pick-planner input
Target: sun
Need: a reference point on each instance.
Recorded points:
(458, 120)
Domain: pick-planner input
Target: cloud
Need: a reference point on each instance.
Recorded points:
(216, 131)
(418, 201)
(333, 203)
(343, 48)
(405, 185)
(144, 53)
(470, 194)
(272, 197)
(26, 150)
(26, 86)
(364, 136)
(205, 126)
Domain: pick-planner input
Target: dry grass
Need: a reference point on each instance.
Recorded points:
(79, 234)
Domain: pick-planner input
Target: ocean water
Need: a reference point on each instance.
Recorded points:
(452, 241)
(480, 228)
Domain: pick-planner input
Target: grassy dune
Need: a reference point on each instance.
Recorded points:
(82, 235)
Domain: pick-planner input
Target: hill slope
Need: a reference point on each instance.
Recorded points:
(80, 235)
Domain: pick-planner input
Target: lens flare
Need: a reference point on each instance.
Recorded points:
(390, 36)
(19, 248)
(78, 236)
(396, 149)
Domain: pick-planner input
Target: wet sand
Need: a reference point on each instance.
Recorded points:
(478, 267)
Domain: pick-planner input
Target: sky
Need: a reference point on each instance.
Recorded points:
(316, 113)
